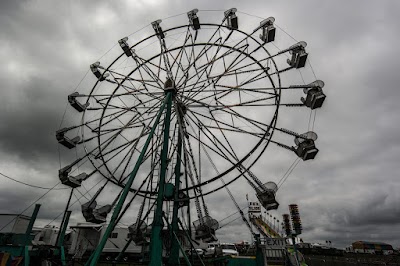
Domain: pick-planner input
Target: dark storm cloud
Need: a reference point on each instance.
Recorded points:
(29, 122)
(348, 193)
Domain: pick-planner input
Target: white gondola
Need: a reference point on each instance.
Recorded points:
(95, 70)
(157, 28)
(306, 149)
(93, 214)
(266, 196)
(169, 85)
(138, 232)
(194, 19)
(71, 181)
(205, 229)
(299, 55)
(125, 46)
(231, 19)
(74, 103)
(64, 140)
(315, 97)
(268, 30)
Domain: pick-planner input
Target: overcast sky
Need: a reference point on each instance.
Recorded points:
(349, 192)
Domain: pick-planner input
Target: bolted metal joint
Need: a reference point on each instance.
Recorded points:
(95, 69)
(71, 181)
(268, 30)
(299, 55)
(75, 104)
(194, 19)
(64, 140)
(157, 28)
(125, 46)
(306, 149)
(315, 97)
(169, 86)
(231, 19)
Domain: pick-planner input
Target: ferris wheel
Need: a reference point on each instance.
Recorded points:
(176, 112)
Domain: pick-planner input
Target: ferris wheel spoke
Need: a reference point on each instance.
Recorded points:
(185, 72)
(191, 163)
(148, 155)
(107, 142)
(180, 54)
(214, 140)
(260, 125)
(103, 101)
(128, 162)
(232, 126)
(148, 70)
(159, 68)
(207, 46)
(119, 113)
(256, 90)
(130, 154)
(216, 79)
(138, 114)
(245, 104)
(255, 63)
(219, 94)
(134, 124)
(225, 54)
(270, 57)
(204, 66)
(199, 72)
(135, 140)
(167, 49)
(225, 150)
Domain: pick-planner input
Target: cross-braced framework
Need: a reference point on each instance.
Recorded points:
(176, 113)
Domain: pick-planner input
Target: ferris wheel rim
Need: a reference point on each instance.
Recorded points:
(180, 47)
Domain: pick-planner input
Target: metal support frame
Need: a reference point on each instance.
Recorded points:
(259, 253)
(118, 258)
(156, 240)
(60, 242)
(293, 236)
(96, 255)
(63, 220)
(25, 250)
(175, 246)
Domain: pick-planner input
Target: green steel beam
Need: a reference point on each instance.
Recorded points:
(157, 226)
(30, 225)
(295, 250)
(64, 214)
(26, 256)
(63, 229)
(118, 258)
(25, 250)
(62, 254)
(175, 246)
(61, 235)
(259, 253)
(96, 255)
